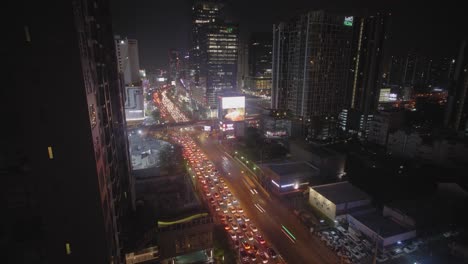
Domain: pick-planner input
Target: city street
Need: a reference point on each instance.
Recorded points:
(270, 215)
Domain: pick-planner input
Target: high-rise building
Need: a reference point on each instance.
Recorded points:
(203, 13)
(456, 114)
(370, 37)
(127, 59)
(64, 157)
(260, 56)
(218, 52)
(243, 64)
(312, 64)
(214, 52)
(174, 64)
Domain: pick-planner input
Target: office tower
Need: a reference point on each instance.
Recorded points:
(243, 64)
(64, 155)
(312, 64)
(203, 13)
(218, 53)
(456, 114)
(174, 64)
(370, 35)
(260, 55)
(128, 60)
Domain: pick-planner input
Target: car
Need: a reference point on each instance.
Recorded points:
(253, 227)
(254, 249)
(228, 193)
(245, 245)
(229, 202)
(239, 209)
(245, 218)
(382, 258)
(272, 252)
(249, 235)
(212, 200)
(216, 195)
(239, 234)
(264, 257)
(410, 248)
(243, 226)
(216, 208)
(232, 209)
(233, 235)
(260, 239)
(234, 200)
(396, 253)
(227, 227)
(243, 255)
(234, 226)
(238, 217)
(253, 256)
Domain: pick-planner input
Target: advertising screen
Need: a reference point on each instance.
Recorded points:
(233, 108)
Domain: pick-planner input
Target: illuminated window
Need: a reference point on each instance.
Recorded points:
(68, 248)
(51, 153)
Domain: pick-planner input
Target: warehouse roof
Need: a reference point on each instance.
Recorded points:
(341, 192)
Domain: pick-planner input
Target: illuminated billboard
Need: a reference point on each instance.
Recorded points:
(233, 108)
(386, 95)
(348, 21)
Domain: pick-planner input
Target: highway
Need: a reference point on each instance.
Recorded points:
(267, 212)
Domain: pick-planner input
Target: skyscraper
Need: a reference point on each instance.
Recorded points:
(65, 156)
(312, 64)
(203, 13)
(370, 35)
(214, 52)
(260, 53)
(456, 114)
(219, 47)
(128, 60)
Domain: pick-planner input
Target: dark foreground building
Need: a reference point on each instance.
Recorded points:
(64, 157)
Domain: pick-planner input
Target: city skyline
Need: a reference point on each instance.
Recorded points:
(430, 30)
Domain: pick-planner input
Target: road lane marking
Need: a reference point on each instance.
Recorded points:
(260, 208)
(288, 236)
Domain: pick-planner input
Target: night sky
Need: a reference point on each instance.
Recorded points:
(160, 25)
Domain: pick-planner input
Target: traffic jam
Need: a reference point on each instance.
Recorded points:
(244, 235)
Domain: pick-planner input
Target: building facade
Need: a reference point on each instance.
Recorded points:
(260, 68)
(218, 53)
(71, 190)
(370, 38)
(204, 13)
(128, 60)
(312, 67)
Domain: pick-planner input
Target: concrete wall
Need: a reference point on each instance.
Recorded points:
(320, 203)
(398, 216)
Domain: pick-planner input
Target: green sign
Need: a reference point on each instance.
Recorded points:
(348, 21)
(229, 29)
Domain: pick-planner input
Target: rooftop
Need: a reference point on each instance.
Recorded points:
(379, 224)
(290, 171)
(341, 192)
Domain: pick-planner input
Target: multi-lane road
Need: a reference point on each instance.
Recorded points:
(279, 226)
(299, 246)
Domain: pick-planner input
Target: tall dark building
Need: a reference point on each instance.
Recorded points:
(312, 64)
(370, 35)
(260, 56)
(174, 64)
(64, 158)
(456, 115)
(203, 14)
(214, 52)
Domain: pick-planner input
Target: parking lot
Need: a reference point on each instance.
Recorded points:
(354, 248)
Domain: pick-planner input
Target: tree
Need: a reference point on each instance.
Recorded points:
(156, 114)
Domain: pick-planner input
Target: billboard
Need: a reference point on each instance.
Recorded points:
(386, 96)
(233, 108)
